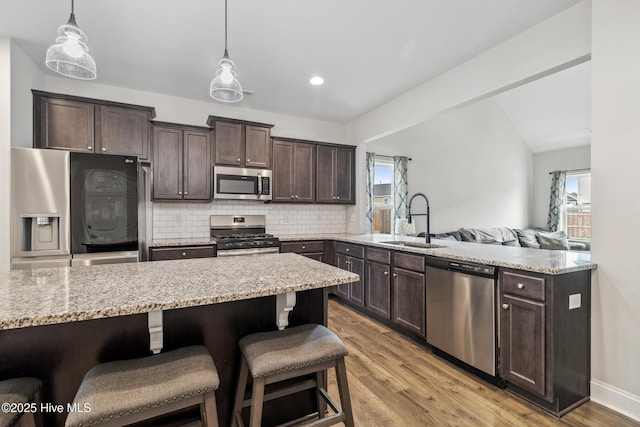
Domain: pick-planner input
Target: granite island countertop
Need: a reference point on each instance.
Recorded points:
(59, 295)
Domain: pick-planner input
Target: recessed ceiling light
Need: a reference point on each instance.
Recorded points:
(316, 81)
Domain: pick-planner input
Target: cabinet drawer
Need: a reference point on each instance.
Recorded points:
(408, 261)
(382, 256)
(523, 285)
(164, 254)
(349, 249)
(301, 247)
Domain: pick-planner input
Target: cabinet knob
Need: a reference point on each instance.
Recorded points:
(304, 247)
(293, 197)
(505, 306)
(386, 273)
(248, 160)
(104, 149)
(184, 254)
(337, 197)
(185, 193)
(237, 160)
(89, 148)
(520, 285)
(334, 197)
(348, 249)
(395, 275)
(180, 193)
(296, 197)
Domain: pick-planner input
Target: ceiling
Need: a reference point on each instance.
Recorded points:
(368, 51)
(553, 112)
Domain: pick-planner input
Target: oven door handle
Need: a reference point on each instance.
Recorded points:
(242, 252)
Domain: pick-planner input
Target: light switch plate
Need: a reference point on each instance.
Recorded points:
(575, 301)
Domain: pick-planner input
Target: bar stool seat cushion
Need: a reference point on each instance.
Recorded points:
(269, 353)
(123, 387)
(17, 390)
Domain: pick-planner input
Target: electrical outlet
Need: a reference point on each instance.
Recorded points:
(575, 301)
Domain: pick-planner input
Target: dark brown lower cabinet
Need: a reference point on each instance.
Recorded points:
(313, 249)
(545, 337)
(180, 252)
(523, 350)
(409, 300)
(352, 292)
(378, 289)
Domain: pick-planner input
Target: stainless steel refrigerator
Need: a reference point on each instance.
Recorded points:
(75, 208)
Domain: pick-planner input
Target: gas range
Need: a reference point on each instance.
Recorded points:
(242, 235)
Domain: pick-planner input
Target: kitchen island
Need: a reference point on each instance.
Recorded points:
(56, 324)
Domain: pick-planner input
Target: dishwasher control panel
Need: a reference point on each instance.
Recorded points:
(472, 268)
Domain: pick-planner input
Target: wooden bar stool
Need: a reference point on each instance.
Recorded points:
(128, 391)
(20, 391)
(276, 356)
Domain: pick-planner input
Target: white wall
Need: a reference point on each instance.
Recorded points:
(5, 151)
(615, 152)
(194, 112)
(549, 161)
(557, 43)
(472, 165)
(25, 75)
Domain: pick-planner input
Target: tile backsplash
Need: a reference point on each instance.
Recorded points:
(191, 220)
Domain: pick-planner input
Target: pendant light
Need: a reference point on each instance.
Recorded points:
(69, 56)
(225, 87)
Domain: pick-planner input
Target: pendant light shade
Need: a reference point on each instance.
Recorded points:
(69, 56)
(225, 87)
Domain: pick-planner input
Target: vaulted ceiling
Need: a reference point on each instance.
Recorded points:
(368, 51)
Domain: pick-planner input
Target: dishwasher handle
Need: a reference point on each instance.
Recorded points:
(463, 267)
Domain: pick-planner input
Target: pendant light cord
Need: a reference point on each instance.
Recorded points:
(225, 26)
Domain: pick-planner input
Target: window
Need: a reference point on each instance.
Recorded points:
(383, 195)
(578, 205)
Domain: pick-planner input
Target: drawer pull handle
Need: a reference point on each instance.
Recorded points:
(184, 254)
(505, 306)
(520, 285)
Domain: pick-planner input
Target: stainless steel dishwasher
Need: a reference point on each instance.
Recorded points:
(461, 312)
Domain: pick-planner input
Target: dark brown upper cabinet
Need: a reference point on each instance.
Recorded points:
(335, 174)
(79, 124)
(241, 143)
(293, 171)
(181, 162)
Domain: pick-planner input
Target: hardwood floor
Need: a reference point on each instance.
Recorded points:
(395, 382)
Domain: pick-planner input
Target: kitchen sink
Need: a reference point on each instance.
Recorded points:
(413, 244)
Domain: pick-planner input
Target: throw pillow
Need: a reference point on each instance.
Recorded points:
(511, 243)
(553, 240)
(528, 238)
(466, 235)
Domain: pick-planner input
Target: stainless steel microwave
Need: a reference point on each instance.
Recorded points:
(242, 183)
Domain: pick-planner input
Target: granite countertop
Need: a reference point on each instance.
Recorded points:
(68, 294)
(527, 259)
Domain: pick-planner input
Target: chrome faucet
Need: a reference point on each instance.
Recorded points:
(409, 215)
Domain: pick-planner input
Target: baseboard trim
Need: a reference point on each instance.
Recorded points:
(616, 399)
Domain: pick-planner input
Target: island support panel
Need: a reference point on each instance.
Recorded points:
(61, 354)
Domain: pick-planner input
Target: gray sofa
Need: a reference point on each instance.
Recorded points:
(528, 238)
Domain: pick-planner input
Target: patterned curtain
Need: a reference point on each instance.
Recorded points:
(371, 162)
(556, 203)
(400, 164)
